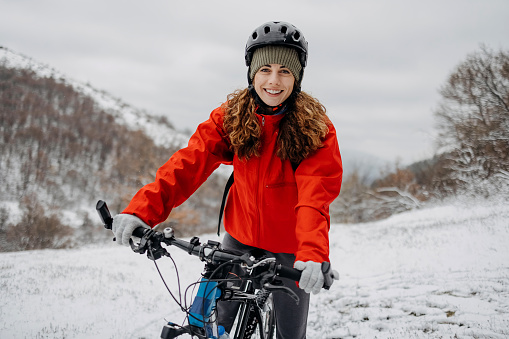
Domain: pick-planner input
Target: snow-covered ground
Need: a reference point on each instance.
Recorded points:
(439, 272)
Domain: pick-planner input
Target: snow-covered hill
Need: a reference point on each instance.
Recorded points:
(157, 127)
(440, 272)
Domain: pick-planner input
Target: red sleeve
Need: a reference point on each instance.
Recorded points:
(318, 180)
(184, 172)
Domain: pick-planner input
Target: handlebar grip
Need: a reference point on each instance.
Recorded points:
(288, 272)
(140, 231)
(294, 274)
(327, 275)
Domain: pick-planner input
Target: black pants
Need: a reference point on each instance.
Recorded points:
(291, 319)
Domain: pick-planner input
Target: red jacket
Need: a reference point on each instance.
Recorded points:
(269, 206)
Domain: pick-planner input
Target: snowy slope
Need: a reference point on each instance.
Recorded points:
(441, 272)
(162, 132)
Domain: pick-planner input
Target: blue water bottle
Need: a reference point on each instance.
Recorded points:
(222, 333)
(203, 305)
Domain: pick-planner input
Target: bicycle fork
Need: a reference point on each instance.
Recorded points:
(250, 315)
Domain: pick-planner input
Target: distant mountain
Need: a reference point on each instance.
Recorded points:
(366, 164)
(157, 127)
(65, 144)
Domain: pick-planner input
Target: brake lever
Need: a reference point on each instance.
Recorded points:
(137, 248)
(271, 287)
(155, 250)
(267, 283)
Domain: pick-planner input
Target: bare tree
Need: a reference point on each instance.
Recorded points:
(473, 121)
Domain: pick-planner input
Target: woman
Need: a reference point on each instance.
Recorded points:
(287, 167)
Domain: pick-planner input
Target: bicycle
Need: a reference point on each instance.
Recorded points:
(253, 292)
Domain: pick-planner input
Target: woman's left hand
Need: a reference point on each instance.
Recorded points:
(311, 279)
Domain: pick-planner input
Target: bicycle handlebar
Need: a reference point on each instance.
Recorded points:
(210, 252)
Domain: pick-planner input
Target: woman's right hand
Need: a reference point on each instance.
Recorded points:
(124, 225)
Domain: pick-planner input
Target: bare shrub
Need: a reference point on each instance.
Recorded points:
(36, 230)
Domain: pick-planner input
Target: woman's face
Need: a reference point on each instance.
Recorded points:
(273, 83)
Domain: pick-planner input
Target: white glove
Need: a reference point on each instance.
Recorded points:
(124, 225)
(311, 279)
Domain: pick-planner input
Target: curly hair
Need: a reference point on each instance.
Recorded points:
(301, 130)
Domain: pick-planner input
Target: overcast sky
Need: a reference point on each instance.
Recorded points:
(376, 65)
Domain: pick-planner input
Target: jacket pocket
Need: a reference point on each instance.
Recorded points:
(279, 210)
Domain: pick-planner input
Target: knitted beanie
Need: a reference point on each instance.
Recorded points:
(275, 54)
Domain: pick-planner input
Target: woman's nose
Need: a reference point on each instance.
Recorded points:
(274, 78)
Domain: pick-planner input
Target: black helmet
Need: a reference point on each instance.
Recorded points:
(277, 33)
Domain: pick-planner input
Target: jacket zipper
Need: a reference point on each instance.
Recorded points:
(260, 187)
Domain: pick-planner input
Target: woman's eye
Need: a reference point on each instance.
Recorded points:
(285, 71)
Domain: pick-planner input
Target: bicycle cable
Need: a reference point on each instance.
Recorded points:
(213, 290)
(179, 302)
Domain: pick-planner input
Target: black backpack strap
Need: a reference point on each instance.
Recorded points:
(229, 184)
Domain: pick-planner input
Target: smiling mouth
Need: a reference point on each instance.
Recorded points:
(273, 91)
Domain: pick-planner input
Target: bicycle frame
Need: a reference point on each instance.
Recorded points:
(204, 325)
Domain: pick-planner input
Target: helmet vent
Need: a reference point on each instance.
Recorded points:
(284, 29)
(255, 35)
(266, 29)
(296, 36)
